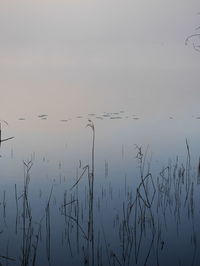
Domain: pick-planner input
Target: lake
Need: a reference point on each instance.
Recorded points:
(100, 122)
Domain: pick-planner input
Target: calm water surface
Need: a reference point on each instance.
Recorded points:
(52, 224)
(128, 194)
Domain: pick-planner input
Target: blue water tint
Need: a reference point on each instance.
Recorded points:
(132, 224)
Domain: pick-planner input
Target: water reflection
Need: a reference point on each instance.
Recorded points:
(99, 199)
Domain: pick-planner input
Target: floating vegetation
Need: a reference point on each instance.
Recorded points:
(42, 116)
(115, 117)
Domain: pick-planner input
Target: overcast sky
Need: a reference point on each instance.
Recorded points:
(84, 55)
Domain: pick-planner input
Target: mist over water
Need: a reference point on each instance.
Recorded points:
(102, 99)
(70, 57)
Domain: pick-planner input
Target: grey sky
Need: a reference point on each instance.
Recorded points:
(117, 52)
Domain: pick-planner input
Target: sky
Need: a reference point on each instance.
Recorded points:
(73, 57)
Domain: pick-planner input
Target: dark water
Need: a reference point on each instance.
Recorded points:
(138, 206)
